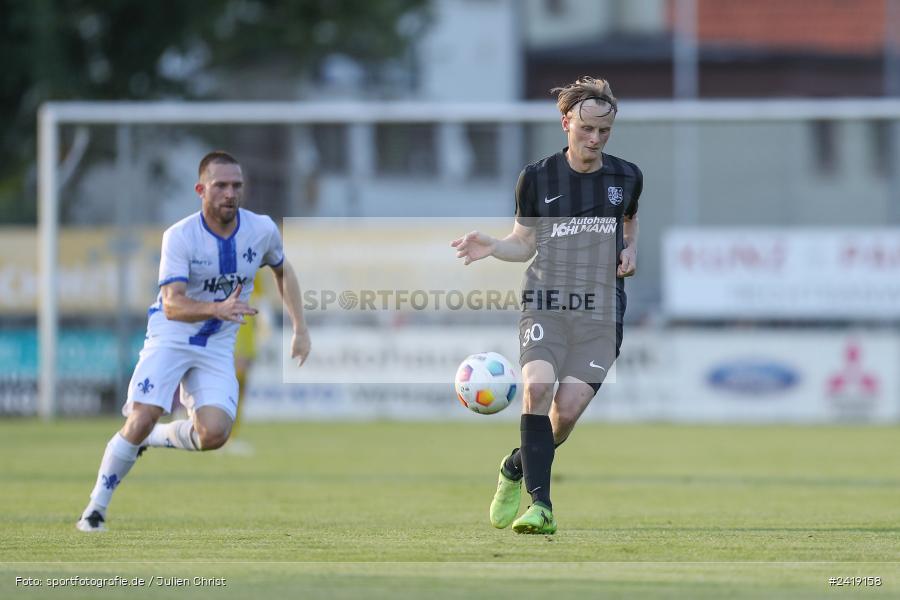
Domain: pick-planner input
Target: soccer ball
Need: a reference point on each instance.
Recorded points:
(486, 383)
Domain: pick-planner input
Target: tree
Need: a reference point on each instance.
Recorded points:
(133, 49)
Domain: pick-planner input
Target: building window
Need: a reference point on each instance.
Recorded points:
(485, 151)
(555, 8)
(824, 149)
(406, 149)
(881, 146)
(331, 146)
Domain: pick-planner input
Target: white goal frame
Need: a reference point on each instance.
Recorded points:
(53, 115)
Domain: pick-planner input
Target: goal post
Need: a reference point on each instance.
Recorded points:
(53, 115)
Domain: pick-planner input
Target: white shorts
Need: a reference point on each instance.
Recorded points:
(206, 378)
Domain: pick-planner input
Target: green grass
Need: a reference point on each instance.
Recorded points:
(396, 510)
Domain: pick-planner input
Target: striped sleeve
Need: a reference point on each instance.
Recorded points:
(632, 207)
(526, 208)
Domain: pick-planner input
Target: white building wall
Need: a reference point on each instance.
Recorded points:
(472, 52)
(553, 22)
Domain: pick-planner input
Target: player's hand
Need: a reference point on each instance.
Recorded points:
(233, 309)
(627, 262)
(474, 246)
(300, 346)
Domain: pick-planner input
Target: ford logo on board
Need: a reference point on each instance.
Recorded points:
(752, 377)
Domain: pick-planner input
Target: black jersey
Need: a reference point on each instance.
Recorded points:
(578, 222)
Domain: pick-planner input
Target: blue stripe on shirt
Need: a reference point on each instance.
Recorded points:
(172, 280)
(227, 266)
(210, 327)
(227, 256)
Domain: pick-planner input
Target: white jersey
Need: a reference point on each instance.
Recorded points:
(211, 266)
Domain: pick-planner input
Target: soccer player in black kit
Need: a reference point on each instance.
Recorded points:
(576, 214)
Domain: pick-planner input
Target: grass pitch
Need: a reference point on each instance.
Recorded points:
(399, 510)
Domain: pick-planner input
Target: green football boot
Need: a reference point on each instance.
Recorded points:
(505, 505)
(537, 519)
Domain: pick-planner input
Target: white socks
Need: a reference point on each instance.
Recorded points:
(120, 455)
(117, 460)
(177, 434)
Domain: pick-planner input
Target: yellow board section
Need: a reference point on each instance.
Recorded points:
(245, 344)
(89, 267)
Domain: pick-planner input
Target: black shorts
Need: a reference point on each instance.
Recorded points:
(576, 344)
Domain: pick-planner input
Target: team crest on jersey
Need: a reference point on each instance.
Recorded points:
(615, 195)
(249, 255)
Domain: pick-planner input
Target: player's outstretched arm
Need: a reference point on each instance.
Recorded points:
(178, 307)
(518, 246)
(289, 288)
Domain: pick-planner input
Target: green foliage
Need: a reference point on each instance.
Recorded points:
(131, 49)
(400, 510)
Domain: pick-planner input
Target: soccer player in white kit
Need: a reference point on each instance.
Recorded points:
(206, 275)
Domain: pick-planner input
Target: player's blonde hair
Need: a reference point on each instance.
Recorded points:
(584, 88)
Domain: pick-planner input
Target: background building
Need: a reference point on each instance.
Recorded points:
(122, 184)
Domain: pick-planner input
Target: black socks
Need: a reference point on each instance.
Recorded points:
(512, 466)
(537, 453)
